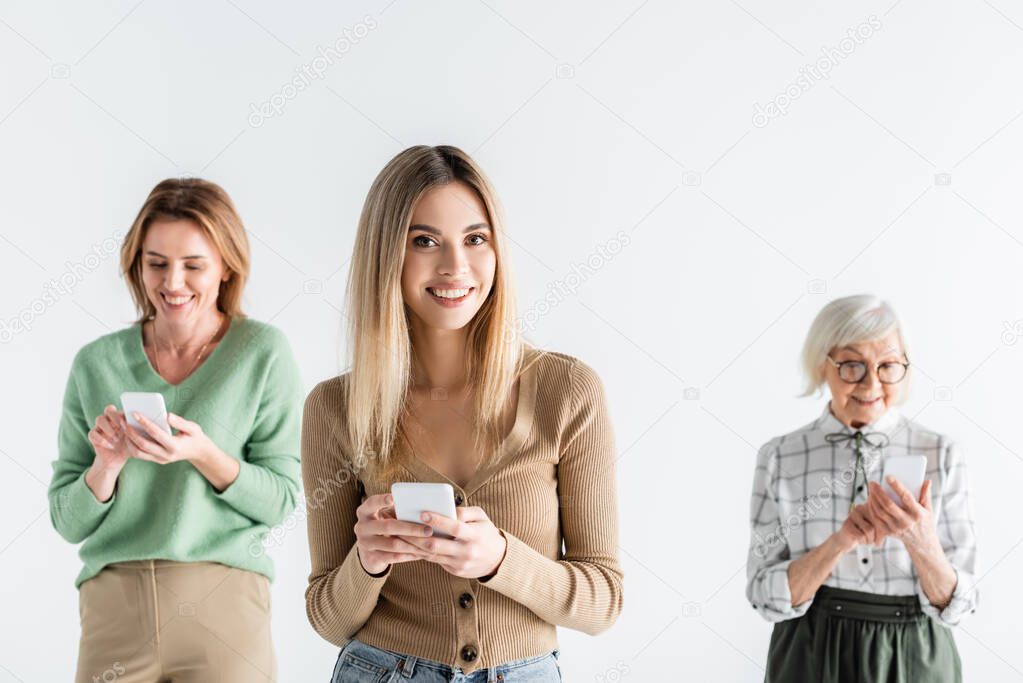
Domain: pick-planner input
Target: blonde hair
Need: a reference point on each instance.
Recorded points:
(378, 387)
(844, 321)
(210, 208)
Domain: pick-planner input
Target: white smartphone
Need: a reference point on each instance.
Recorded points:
(412, 499)
(149, 404)
(910, 470)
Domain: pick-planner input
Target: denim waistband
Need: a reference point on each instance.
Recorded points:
(405, 665)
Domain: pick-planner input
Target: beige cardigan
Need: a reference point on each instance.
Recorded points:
(551, 481)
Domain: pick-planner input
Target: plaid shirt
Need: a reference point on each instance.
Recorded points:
(802, 491)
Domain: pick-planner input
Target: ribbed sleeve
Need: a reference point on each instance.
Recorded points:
(340, 595)
(583, 590)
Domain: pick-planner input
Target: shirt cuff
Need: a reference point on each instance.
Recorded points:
(240, 488)
(357, 590)
(239, 494)
(772, 596)
(251, 495)
(963, 601)
(517, 571)
(340, 603)
(75, 512)
(81, 501)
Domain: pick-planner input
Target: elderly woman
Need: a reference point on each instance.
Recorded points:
(860, 588)
(174, 585)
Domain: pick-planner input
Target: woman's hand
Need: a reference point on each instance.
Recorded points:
(190, 443)
(912, 523)
(477, 549)
(858, 529)
(809, 571)
(109, 441)
(382, 539)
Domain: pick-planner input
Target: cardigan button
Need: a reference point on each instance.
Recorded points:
(469, 653)
(458, 499)
(465, 600)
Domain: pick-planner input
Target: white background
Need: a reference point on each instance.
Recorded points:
(591, 119)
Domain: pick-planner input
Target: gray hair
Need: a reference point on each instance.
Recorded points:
(851, 319)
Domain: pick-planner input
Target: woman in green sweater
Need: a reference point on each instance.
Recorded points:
(175, 583)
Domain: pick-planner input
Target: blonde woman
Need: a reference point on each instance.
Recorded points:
(174, 585)
(442, 389)
(860, 588)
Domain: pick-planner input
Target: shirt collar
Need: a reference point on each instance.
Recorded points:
(885, 424)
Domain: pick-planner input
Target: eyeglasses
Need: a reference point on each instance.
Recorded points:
(854, 371)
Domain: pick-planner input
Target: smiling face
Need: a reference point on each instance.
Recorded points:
(181, 271)
(863, 403)
(450, 259)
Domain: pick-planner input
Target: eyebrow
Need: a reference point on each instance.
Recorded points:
(156, 253)
(434, 231)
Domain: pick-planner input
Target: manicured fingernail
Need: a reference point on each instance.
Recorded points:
(427, 531)
(426, 517)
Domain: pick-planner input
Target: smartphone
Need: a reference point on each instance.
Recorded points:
(412, 499)
(149, 404)
(910, 470)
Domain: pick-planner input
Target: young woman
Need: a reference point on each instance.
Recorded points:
(442, 389)
(175, 586)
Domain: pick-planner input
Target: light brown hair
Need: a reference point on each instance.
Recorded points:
(381, 344)
(211, 209)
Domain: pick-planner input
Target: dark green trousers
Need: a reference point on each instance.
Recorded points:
(853, 637)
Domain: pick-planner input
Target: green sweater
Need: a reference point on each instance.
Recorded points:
(247, 397)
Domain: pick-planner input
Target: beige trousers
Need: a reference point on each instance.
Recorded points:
(158, 621)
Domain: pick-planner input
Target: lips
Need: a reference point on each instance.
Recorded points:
(450, 296)
(177, 301)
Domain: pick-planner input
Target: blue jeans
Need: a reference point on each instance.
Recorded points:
(361, 663)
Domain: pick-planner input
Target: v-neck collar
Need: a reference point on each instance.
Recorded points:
(138, 348)
(510, 446)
